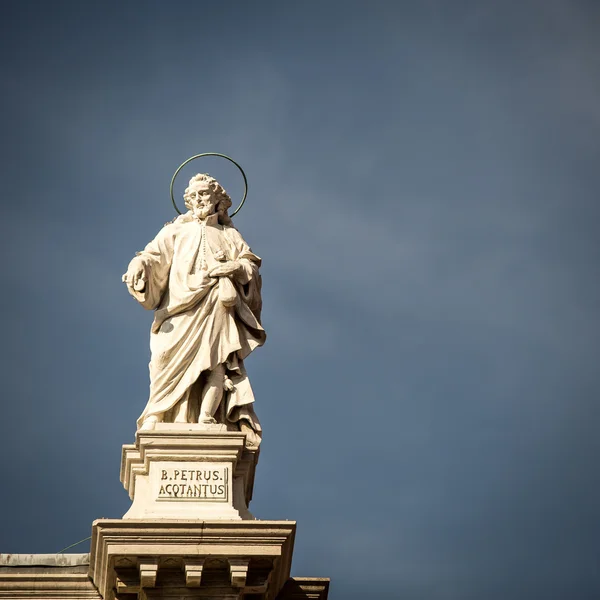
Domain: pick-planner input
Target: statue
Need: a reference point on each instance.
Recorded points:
(202, 280)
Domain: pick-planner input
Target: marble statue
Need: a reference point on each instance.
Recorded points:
(203, 282)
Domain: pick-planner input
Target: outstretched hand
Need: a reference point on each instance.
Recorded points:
(135, 278)
(226, 269)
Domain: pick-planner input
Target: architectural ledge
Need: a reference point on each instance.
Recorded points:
(41, 560)
(305, 588)
(181, 558)
(64, 577)
(46, 576)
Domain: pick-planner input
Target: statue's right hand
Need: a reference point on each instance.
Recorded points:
(135, 278)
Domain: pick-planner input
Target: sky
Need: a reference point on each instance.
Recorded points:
(423, 191)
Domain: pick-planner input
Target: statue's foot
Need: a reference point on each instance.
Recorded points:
(252, 438)
(149, 423)
(207, 420)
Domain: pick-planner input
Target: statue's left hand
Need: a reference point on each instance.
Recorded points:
(227, 269)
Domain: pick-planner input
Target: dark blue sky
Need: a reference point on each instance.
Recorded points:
(424, 194)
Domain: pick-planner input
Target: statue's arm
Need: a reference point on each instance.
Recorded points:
(152, 266)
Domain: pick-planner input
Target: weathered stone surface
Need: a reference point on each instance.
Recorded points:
(47, 560)
(46, 576)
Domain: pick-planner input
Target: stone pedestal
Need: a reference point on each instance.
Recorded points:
(188, 472)
(189, 533)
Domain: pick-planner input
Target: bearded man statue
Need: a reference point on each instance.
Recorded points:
(202, 280)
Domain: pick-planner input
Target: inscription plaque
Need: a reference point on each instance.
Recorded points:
(191, 482)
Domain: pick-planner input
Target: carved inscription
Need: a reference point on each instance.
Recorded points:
(202, 483)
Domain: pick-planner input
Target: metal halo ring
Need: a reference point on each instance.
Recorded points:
(211, 154)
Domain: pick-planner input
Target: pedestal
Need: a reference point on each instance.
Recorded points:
(188, 472)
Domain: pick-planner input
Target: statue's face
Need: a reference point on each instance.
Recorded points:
(201, 199)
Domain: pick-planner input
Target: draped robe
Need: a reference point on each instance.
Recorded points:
(193, 330)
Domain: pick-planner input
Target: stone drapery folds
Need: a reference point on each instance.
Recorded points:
(205, 323)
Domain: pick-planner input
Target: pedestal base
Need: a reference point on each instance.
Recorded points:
(184, 471)
(190, 559)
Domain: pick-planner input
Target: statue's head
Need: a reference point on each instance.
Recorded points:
(205, 196)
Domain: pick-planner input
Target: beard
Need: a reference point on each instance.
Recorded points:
(203, 211)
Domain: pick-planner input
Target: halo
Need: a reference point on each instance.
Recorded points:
(211, 154)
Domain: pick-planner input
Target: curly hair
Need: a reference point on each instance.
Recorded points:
(222, 197)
